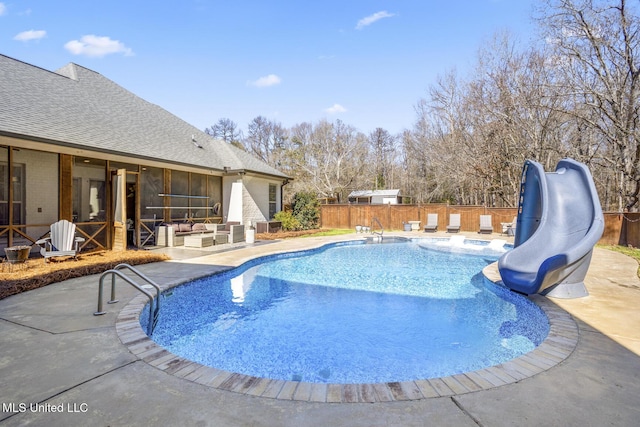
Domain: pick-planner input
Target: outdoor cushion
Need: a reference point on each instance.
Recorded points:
(199, 227)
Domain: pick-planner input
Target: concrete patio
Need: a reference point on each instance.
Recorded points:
(62, 366)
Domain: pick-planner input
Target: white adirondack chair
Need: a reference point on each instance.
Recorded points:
(62, 241)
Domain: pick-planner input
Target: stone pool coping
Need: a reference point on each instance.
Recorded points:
(557, 346)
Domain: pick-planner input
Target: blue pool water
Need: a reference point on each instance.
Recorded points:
(353, 313)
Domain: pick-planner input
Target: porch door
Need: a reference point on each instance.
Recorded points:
(119, 191)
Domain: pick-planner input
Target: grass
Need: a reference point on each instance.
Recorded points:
(302, 233)
(331, 232)
(35, 273)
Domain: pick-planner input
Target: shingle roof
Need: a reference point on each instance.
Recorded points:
(79, 107)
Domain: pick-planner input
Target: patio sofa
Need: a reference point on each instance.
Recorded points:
(173, 234)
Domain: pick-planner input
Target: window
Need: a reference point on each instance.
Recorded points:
(89, 191)
(198, 204)
(179, 187)
(214, 191)
(152, 183)
(18, 184)
(189, 199)
(273, 191)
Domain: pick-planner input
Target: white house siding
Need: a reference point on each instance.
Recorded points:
(384, 200)
(40, 187)
(249, 199)
(234, 210)
(227, 182)
(256, 199)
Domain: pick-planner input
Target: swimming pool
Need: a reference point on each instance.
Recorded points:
(352, 313)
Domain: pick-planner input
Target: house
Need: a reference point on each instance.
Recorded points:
(375, 197)
(75, 145)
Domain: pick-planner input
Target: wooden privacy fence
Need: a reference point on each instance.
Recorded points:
(620, 229)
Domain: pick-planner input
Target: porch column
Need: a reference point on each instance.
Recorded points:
(236, 202)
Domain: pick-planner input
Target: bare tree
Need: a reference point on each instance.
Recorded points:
(477, 133)
(443, 135)
(382, 145)
(328, 157)
(226, 130)
(597, 44)
(266, 140)
(515, 116)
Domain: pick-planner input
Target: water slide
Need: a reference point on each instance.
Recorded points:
(559, 222)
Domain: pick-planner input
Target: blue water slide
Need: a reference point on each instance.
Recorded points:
(559, 222)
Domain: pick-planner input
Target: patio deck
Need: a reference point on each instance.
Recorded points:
(60, 365)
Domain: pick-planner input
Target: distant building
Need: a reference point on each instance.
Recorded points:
(375, 197)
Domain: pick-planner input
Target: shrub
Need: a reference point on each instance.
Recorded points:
(306, 209)
(289, 222)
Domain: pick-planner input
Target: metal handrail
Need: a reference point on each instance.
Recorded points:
(140, 275)
(379, 224)
(115, 272)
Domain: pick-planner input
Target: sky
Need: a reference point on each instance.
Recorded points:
(366, 63)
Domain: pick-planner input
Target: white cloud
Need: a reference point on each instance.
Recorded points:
(373, 18)
(335, 109)
(3, 9)
(266, 81)
(26, 36)
(95, 46)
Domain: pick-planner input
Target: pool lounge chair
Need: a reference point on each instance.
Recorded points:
(454, 223)
(432, 223)
(486, 225)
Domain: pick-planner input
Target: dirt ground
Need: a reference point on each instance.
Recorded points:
(35, 273)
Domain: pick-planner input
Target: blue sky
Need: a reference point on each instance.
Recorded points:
(366, 63)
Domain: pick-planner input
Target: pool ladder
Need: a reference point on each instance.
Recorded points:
(154, 302)
(378, 234)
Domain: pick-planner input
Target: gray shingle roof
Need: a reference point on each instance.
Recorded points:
(79, 107)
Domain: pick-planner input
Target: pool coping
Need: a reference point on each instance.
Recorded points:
(556, 347)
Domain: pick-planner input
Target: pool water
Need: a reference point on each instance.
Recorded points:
(352, 313)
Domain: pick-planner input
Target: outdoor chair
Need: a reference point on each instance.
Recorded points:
(62, 241)
(233, 229)
(454, 223)
(509, 228)
(432, 223)
(486, 225)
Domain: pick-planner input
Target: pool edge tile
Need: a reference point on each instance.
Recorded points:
(273, 388)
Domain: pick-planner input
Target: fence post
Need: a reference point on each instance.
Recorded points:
(446, 213)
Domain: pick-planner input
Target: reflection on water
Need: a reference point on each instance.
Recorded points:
(241, 284)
